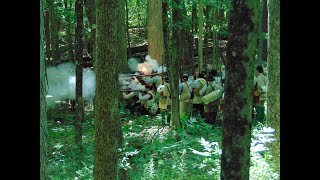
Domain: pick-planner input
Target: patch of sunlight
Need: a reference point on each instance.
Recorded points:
(58, 146)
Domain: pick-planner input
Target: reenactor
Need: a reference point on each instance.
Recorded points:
(199, 89)
(185, 96)
(165, 101)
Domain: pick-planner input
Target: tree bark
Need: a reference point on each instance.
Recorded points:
(265, 30)
(174, 65)
(273, 111)
(91, 14)
(165, 9)
(47, 33)
(43, 111)
(69, 38)
(79, 115)
(127, 24)
(54, 37)
(155, 30)
(237, 123)
(200, 45)
(110, 48)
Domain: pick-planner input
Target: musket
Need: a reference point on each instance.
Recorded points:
(139, 74)
(128, 90)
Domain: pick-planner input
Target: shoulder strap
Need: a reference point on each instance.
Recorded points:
(211, 88)
(188, 87)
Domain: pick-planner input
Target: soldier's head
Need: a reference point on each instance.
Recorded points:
(166, 79)
(259, 69)
(213, 72)
(210, 78)
(202, 75)
(185, 77)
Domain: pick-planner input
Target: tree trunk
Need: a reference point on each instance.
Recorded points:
(43, 111)
(207, 35)
(79, 74)
(176, 57)
(237, 123)
(127, 23)
(53, 30)
(260, 40)
(47, 33)
(265, 30)
(273, 111)
(110, 48)
(91, 14)
(165, 9)
(200, 45)
(194, 25)
(69, 38)
(214, 39)
(155, 30)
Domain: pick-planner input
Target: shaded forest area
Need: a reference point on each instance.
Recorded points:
(87, 130)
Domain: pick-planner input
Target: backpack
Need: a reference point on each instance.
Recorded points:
(256, 94)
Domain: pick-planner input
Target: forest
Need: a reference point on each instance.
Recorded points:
(160, 89)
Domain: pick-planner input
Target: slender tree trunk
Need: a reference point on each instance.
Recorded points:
(43, 111)
(127, 23)
(273, 111)
(79, 115)
(265, 30)
(174, 72)
(165, 9)
(183, 48)
(237, 123)
(47, 33)
(194, 24)
(260, 40)
(155, 30)
(200, 46)
(91, 14)
(207, 35)
(110, 48)
(214, 39)
(69, 38)
(53, 31)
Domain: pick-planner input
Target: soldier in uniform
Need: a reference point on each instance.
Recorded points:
(165, 101)
(199, 89)
(185, 96)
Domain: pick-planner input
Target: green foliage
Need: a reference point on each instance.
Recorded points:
(152, 151)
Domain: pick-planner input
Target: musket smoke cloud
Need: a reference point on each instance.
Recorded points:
(62, 83)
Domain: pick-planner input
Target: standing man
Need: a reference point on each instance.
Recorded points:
(185, 96)
(165, 101)
(199, 89)
(260, 83)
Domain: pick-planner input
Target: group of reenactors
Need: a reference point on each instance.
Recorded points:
(199, 95)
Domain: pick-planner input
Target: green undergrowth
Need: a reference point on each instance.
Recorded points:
(153, 151)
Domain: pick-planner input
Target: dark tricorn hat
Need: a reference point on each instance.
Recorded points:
(185, 76)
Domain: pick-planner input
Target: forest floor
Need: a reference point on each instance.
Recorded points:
(151, 151)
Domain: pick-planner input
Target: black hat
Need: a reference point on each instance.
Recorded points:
(185, 76)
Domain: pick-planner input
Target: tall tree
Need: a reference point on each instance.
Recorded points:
(43, 111)
(91, 14)
(273, 111)
(68, 30)
(110, 49)
(260, 38)
(54, 32)
(200, 45)
(47, 31)
(176, 56)
(265, 30)
(127, 28)
(236, 126)
(79, 115)
(165, 23)
(155, 30)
